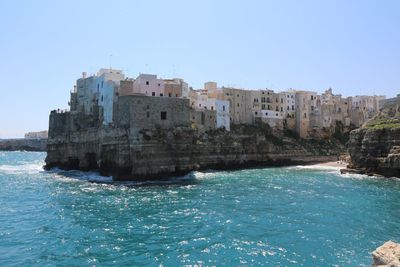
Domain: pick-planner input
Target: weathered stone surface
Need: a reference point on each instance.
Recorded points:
(23, 144)
(387, 255)
(133, 153)
(375, 147)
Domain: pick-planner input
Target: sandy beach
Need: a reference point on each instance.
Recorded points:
(337, 164)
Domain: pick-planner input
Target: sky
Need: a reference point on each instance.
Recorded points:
(351, 46)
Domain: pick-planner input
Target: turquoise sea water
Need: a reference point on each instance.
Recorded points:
(274, 217)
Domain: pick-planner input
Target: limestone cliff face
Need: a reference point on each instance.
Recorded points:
(375, 151)
(131, 153)
(375, 147)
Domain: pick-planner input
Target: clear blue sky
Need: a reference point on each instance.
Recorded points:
(351, 46)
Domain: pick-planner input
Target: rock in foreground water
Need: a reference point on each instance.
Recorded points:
(387, 255)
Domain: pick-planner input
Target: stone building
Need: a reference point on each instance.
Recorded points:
(202, 100)
(176, 88)
(149, 85)
(36, 135)
(306, 109)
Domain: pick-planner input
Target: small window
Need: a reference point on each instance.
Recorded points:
(292, 107)
(163, 115)
(312, 107)
(176, 95)
(305, 115)
(147, 82)
(281, 109)
(169, 94)
(256, 112)
(212, 107)
(148, 114)
(159, 84)
(102, 83)
(148, 106)
(153, 93)
(161, 95)
(101, 98)
(223, 108)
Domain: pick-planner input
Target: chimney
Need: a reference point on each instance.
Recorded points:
(84, 75)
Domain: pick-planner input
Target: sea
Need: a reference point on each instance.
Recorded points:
(287, 216)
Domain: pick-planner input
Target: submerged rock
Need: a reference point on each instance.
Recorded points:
(387, 255)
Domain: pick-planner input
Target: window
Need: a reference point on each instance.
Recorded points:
(256, 113)
(223, 108)
(212, 107)
(312, 107)
(148, 106)
(277, 100)
(199, 105)
(281, 100)
(269, 107)
(287, 107)
(305, 115)
(281, 109)
(312, 97)
(263, 106)
(102, 83)
(169, 94)
(276, 109)
(262, 99)
(147, 82)
(161, 95)
(238, 95)
(153, 93)
(101, 98)
(148, 114)
(238, 104)
(292, 107)
(176, 95)
(159, 84)
(163, 115)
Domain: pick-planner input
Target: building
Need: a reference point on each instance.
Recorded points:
(149, 85)
(36, 135)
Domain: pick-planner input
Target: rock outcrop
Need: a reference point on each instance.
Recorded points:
(387, 255)
(375, 147)
(23, 144)
(131, 153)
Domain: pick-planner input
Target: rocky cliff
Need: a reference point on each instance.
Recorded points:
(375, 147)
(77, 142)
(23, 144)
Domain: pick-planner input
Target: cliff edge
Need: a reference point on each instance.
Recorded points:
(78, 141)
(375, 147)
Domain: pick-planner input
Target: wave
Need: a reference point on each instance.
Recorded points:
(317, 167)
(22, 168)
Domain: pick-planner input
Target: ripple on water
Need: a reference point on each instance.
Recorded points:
(272, 216)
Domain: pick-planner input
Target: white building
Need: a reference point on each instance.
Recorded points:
(201, 101)
(108, 83)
